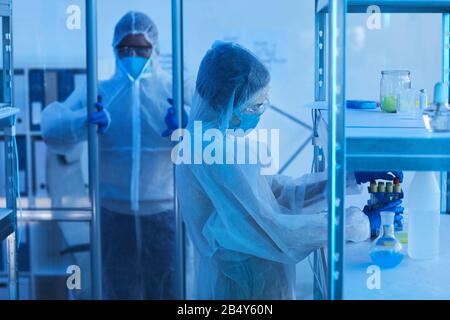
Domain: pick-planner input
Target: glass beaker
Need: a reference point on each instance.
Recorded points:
(386, 250)
(393, 83)
(407, 103)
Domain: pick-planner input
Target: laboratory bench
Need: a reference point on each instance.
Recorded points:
(411, 280)
(380, 141)
(387, 141)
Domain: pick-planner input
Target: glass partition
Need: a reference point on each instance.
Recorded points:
(252, 230)
(135, 167)
(280, 36)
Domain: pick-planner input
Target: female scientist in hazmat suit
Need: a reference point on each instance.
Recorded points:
(136, 173)
(249, 230)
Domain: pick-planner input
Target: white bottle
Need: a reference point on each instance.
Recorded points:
(423, 200)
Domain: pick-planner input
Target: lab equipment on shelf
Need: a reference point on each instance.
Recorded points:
(393, 82)
(437, 116)
(384, 193)
(386, 251)
(407, 102)
(424, 216)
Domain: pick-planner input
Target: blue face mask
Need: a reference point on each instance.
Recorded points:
(134, 66)
(246, 121)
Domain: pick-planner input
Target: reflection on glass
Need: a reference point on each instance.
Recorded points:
(135, 119)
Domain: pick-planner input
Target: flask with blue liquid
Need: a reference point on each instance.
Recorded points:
(386, 250)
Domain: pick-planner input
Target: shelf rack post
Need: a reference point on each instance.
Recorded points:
(320, 53)
(320, 265)
(178, 102)
(445, 176)
(11, 173)
(94, 190)
(336, 147)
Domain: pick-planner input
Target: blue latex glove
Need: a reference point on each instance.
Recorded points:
(172, 121)
(363, 177)
(375, 217)
(101, 117)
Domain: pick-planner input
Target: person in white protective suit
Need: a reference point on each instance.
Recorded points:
(249, 230)
(135, 118)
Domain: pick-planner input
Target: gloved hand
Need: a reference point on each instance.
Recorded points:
(363, 177)
(101, 117)
(172, 121)
(375, 218)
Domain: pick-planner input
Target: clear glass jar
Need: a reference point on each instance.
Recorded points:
(386, 250)
(393, 83)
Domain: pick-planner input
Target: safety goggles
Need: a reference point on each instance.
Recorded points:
(259, 108)
(128, 51)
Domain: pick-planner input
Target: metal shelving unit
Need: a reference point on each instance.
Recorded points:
(358, 150)
(8, 215)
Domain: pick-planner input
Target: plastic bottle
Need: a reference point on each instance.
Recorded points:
(424, 216)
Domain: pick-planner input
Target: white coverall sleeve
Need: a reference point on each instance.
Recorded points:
(293, 194)
(249, 218)
(64, 125)
(301, 199)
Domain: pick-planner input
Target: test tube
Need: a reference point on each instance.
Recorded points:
(381, 187)
(373, 186)
(389, 187)
(423, 99)
(373, 189)
(397, 186)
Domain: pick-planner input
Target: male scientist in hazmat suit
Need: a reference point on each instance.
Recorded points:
(134, 119)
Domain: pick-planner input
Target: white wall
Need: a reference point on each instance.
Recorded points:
(281, 32)
(42, 38)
